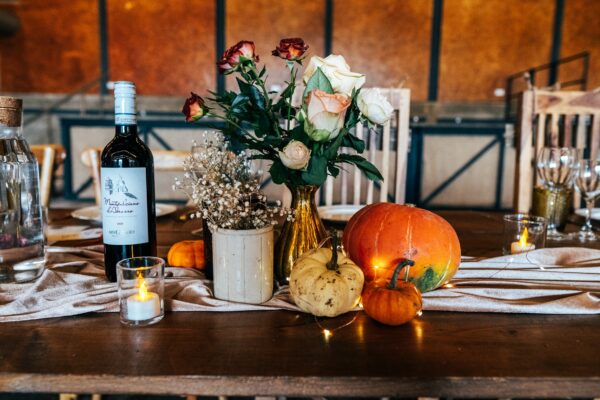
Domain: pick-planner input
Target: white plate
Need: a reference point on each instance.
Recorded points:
(595, 213)
(338, 213)
(93, 213)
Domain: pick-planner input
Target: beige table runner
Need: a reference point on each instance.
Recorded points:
(549, 281)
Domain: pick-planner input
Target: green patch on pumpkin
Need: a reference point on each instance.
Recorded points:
(428, 281)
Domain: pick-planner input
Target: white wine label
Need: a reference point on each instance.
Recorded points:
(124, 206)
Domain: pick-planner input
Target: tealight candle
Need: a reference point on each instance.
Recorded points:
(143, 305)
(522, 245)
(141, 290)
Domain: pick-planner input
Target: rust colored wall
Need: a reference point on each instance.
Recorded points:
(388, 41)
(265, 22)
(581, 31)
(56, 49)
(166, 47)
(483, 41)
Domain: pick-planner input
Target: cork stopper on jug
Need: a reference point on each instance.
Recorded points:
(11, 110)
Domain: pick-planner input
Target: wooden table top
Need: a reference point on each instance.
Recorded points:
(440, 354)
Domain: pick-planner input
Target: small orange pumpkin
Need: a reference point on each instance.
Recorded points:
(187, 254)
(395, 303)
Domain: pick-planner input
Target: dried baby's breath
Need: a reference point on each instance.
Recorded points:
(227, 195)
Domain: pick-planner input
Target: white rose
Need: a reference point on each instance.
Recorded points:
(373, 105)
(295, 155)
(337, 71)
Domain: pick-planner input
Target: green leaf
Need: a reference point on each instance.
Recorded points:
(278, 172)
(354, 142)
(253, 94)
(365, 166)
(299, 134)
(333, 170)
(316, 173)
(318, 81)
(332, 150)
(240, 99)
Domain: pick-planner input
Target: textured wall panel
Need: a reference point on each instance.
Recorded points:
(581, 31)
(166, 47)
(56, 49)
(483, 41)
(388, 40)
(265, 22)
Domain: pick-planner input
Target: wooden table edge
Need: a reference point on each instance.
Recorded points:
(304, 386)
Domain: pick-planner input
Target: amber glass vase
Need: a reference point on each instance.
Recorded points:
(305, 233)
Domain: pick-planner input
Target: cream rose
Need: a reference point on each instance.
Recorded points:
(325, 115)
(373, 105)
(295, 155)
(337, 71)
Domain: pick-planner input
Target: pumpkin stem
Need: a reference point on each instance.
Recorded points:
(401, 265)
(332, 264)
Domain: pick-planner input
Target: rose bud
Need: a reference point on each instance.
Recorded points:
(325, 115)
(234, 56)
(194, 108)
(374, 106)
(295, 155)
(291, 49)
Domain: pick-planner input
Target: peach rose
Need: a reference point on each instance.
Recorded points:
(325, 115)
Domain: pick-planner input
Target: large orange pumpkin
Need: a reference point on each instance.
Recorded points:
(187, 254)
(381, 235)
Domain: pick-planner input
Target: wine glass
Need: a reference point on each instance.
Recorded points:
(587, 182)
(556, 167)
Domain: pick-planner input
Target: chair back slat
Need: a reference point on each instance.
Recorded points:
(385, 161)
(164, 160)
(387, 149)
(360, 133)
(371, 156)
(554, 129)
(595, 139)
(49, 158)
(536, 107)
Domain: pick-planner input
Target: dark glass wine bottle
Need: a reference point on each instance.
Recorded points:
(127, 185)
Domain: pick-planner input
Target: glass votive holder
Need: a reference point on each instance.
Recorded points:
(141, 282)
(523, 233)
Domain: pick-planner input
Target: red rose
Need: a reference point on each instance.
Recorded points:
(291, 49)
(235, 55)
(194, 108)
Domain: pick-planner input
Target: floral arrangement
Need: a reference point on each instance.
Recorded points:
(227, 196)
(304, 140)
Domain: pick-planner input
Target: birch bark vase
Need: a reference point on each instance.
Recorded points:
(243, 264)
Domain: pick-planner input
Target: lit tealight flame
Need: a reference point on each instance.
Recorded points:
(448, 286)
(327, 333)
(375, 266)
(142, 287)
(523, 239)
(419, 313)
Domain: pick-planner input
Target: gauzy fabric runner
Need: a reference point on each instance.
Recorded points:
(549, 281)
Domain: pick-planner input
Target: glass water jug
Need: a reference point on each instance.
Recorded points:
(21, 218)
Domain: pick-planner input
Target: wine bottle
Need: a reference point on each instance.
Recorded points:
(127, 186)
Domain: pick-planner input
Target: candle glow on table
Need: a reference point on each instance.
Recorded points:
(522, 245)
(143, 305)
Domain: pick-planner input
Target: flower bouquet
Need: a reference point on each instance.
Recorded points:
(302, 139)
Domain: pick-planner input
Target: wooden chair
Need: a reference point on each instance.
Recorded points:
(552, 118)
(164, 160)
(50, 157)
(390, 161)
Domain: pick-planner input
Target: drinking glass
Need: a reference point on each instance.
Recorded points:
(556, 167)
(141, 283)
(587, 182)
